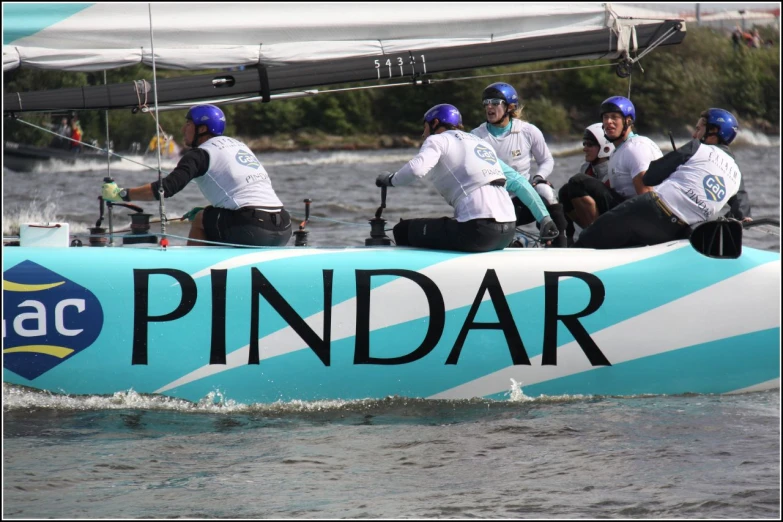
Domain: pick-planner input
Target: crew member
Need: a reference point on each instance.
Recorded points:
(244, 208)
(686, 187)
(515, 141)
(467, 173)
(587, 194)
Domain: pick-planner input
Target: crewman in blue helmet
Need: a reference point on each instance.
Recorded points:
(517, 141)
(244, 208)
(630, 159)
(686, 187)
(468, 174)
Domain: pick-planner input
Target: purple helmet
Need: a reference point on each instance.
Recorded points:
(500, 90)
(619, 104)
(445, 113)
(725, 122)
(208, 115)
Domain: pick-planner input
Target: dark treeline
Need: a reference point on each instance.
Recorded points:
(677, 82)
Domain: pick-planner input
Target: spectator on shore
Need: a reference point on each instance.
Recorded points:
(756, 39)
(736, 37)
(76, 135)
(63, 131)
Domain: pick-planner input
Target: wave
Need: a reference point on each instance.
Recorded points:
(17, 398)
(339, 158)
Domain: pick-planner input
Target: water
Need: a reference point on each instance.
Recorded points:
(134, 456)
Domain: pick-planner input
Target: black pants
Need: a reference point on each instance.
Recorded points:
(639, 221)
(524, 217)
(477, 235)
(581, 185)
(247, 226)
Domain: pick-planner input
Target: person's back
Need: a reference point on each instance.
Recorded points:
(467, 173)
(698, 189)
(235, 177)
(244, 208)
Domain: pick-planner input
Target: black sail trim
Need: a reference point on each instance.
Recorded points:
(393, 66)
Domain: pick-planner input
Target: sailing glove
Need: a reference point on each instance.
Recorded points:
(535, 180)
(548, 229)
(191, 214)
(111, 192)
(384, 180)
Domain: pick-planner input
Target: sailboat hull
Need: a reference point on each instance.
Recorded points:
(262, 325)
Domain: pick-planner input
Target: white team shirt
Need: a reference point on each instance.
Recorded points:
(461, 166)
(235, 177)
(629, 159)
(701, 186)
(517, 146)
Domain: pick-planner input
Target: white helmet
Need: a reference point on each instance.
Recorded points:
(595, 132)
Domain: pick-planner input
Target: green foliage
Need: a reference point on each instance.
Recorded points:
(676, 84)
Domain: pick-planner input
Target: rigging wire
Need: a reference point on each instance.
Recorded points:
(99, 149)
(161, 207)
(313, 92)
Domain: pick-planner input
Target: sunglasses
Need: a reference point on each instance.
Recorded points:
(589, 144)
(493, 101)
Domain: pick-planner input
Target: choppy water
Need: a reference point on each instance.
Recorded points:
(554, 457)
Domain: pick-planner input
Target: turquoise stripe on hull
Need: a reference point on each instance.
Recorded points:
(721, 366)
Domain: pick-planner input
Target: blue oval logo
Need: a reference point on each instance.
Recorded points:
(247, 159)
(714, 188)
(486, 153)
(47, 319)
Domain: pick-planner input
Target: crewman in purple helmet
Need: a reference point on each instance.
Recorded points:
(632, 153)
(684, 188)
(519, 143)
(243, 210)
(468, 174)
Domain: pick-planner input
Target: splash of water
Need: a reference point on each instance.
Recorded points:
(36, 211)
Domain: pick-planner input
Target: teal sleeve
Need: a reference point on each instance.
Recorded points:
(521, 188)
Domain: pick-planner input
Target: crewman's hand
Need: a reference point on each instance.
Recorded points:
(535, 180)
(384, 180)
(548, 230)
(191, 214)
(111, 192)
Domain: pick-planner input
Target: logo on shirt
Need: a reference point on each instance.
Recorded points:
(485, 153)
(714, 188)
(516, 153)
(247, 159)
(47, 319)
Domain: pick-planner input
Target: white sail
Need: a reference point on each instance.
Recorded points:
(89, 37)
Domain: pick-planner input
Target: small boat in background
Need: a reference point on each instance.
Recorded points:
(26, 158)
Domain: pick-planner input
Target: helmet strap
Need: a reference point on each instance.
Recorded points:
(708, 134)
(197, 136)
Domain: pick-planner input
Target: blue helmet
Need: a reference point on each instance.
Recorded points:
(208, 115)
(500, 90)
(725, 122)
(445, 113)
(619, 104)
